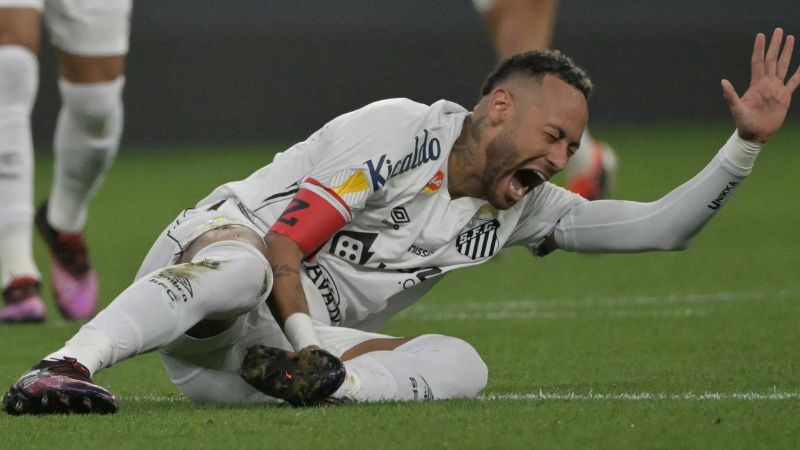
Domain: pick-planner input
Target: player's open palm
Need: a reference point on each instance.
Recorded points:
(760, 112)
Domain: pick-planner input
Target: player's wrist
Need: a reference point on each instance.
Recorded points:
(741, 152)
(299, 330)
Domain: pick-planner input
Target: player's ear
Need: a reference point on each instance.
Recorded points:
(500, 105)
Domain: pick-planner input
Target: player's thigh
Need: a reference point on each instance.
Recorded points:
(93, 28)
(179, 243)
(20, 23)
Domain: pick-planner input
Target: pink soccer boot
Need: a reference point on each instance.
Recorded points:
(75, 283)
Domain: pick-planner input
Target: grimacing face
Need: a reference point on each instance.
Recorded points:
(534, 144)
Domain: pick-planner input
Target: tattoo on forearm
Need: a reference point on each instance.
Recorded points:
(284, 270)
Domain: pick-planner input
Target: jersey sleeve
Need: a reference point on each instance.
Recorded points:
(539, 214)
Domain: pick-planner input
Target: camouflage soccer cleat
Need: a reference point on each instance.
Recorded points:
(22, 301)
(305, 378)
(60, 386)
(75, 283)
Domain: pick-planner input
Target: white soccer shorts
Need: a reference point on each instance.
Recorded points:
(84, 27)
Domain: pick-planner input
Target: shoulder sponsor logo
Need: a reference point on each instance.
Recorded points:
(479, 240)
(384, 169)
(435, 184)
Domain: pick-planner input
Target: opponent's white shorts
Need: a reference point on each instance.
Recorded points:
(207, 370)
(84, 27)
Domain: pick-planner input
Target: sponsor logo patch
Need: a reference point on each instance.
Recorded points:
(327, 289)
(400, 215)
(353, 246)
(384, 169)
(717, 202)
(435, 184)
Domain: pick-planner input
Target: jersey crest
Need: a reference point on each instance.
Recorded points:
(480, 239)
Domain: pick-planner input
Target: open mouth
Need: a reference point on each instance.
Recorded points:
(529, 178)
(523, 181)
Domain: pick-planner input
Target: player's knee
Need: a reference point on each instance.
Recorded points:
(241, 275)
(95, 108)
(472, 372)
(19, 75)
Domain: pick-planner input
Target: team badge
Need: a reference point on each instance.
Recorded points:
(480, 240)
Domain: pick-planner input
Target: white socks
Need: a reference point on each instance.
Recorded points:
(427, 367)
(19, 79)
(224, 280)
(87, 139)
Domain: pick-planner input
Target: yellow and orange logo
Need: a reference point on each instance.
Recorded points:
(435, 184)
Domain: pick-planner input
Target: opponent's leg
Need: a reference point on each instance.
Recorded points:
(224, 278)
(87, 138)
(19, 80)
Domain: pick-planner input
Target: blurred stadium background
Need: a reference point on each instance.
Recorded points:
(693, 349)
(255, 70)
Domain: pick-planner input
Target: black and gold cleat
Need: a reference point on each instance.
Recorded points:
(304, 378)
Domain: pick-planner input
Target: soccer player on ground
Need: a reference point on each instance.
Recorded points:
(517, 26)
(91, 40)
(270, 286)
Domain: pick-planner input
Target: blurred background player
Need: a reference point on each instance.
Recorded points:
(91, 41)
(517, 26)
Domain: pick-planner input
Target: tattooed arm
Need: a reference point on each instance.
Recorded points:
(287, 302)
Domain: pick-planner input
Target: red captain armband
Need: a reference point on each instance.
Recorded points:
(314, 214)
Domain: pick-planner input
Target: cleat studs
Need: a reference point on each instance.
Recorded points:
(87, 402)
(18, 407)
(45, 401)
(63, 398)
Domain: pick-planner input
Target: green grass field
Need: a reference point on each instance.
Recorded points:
(694, 349)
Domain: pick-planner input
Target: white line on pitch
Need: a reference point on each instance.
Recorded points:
(641, 396)
(668, 306)
(713, 297)
(542, 396)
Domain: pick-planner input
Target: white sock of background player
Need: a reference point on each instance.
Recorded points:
(87, 138)
(19, 80)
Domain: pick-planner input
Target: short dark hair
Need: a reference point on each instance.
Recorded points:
(536, 65)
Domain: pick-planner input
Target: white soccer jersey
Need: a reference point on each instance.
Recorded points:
(366, 199)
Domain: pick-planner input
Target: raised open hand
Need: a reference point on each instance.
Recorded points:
(760, 112)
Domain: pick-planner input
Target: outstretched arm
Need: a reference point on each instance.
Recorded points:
(671, 222)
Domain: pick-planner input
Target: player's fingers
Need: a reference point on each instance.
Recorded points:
(786, 57)
(757, 61)
(770, 61)
(794, 81)
(730, 94)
